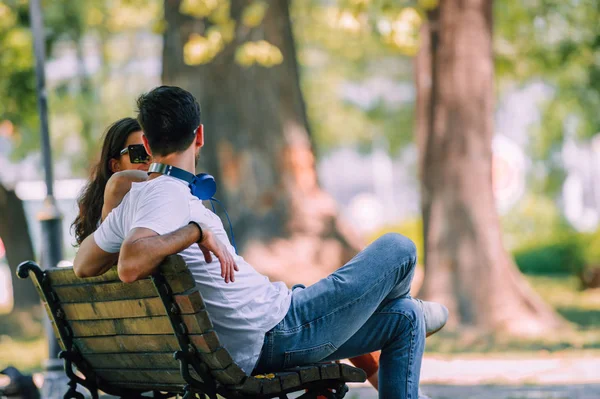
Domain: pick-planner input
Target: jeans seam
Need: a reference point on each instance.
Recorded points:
(293, 330)
(410, 349)
(410, 360)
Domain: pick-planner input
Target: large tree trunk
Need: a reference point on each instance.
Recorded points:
(14, 233)
(259, 149)
(466, 265)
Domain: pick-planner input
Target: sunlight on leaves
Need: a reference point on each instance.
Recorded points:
(260, 52)
(428, 4)
(199, 8)
(202, 49)
(403, 31)
(254, 14)
(130, 16)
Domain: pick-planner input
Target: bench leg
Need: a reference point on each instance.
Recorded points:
(74, 380)
(188, 393)
(72, 392)
(319, 392)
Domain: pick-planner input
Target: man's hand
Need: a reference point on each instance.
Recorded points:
(210, 243)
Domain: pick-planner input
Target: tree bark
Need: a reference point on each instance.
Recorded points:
(14, 233)
(259, 149)
(466, 266)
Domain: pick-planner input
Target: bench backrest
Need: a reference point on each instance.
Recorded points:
(124, 332)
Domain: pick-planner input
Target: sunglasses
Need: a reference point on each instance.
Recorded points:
(137, 153)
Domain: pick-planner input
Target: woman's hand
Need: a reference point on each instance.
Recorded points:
(209, 245)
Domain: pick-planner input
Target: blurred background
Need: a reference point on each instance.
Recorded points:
(472, 127)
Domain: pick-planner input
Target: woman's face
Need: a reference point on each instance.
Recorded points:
(123, 162)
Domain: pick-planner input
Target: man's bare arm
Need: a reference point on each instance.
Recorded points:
(91, 260)
(117, 186)
(143, 250)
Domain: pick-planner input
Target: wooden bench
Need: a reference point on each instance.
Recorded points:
(155, 335)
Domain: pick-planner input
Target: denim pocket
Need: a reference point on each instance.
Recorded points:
(308, 356)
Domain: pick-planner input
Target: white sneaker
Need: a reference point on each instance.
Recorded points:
(436, 316)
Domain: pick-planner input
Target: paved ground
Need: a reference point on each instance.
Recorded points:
(548, 376)
(543, 369)
(584, 391)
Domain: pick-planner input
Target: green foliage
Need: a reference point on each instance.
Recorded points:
(568, 252)
(558, 42)
(335, 52)
(535, 219)
(560, 257)
(17, 84)
(543, 243)
(81, 106)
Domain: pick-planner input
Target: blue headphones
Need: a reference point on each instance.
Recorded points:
(202, 186)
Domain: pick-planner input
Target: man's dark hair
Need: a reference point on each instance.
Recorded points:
(169, 117)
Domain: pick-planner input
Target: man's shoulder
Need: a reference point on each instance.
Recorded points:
(163, 188)
(164, 184)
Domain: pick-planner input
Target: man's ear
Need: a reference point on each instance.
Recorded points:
(200, 136)
(146, 145)
(114, 165)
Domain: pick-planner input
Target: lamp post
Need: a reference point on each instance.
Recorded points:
(49, 217)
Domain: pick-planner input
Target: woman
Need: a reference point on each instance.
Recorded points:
(122, 151)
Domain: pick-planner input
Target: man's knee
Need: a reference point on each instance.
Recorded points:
(402, 248)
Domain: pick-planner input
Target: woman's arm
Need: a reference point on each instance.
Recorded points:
(117, 186)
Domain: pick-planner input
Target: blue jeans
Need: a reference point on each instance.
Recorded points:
(363, 307)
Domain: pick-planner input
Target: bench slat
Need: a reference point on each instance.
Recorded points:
(252, 386)
(65, 275)
(271, 385)
(232, 375)
(330, 371)
(158, 376)
(308, 373)
(289, 380)
(149, 386)
(352, 374)
(205, 343)
(128, 308)
(196, 324)
(157, 360)
(217, 360)
(116, 290)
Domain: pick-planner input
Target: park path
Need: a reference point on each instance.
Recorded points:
(515, 369)
(585, 391)
(543, 376)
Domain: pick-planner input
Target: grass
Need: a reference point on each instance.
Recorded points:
(580, 308)
(26, 355)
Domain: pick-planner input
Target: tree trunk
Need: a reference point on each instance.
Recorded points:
(466, 265)
(14, 233)
(259, 149)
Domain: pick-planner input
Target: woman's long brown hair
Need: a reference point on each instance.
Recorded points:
(91, 198)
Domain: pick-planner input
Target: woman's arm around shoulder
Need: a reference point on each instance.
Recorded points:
(117, 186)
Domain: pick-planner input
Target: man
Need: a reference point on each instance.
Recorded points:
(362, 307)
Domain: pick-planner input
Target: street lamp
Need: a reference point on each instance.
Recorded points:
(55, 381)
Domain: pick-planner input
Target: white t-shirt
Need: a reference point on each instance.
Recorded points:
(242, 311)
